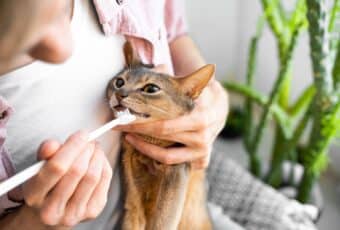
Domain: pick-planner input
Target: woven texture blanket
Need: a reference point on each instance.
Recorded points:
(252, 204)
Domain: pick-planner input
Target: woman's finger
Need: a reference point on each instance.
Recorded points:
(167, 156)
(47, 149)
(99, 196)
(56, 167)
(76, 206)
(191, 122)
(55, 203)
(199, 139)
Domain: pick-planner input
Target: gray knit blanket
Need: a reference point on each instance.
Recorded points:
(250, 203)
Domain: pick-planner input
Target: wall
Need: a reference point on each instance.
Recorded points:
(213, 27)
(223, 29)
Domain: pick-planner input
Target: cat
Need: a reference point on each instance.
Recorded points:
(159, 196)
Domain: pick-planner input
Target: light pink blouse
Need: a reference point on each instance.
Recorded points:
(149, 24)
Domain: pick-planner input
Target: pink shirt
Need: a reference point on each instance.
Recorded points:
(150, 25)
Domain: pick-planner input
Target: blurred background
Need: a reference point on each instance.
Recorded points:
(222, 30)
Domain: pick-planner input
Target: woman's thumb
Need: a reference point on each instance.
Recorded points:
(47, 149)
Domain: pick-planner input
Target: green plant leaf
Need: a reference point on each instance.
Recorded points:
(274, 13)
(299, 15)
(302, 102)
(336, 70)
(335, 13)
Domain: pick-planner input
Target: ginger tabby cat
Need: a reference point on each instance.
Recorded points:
(158, 196)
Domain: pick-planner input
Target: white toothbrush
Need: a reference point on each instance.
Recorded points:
(123, 118)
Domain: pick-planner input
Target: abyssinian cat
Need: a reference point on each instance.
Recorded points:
(158, 196)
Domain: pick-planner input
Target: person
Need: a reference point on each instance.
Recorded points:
(54, 67)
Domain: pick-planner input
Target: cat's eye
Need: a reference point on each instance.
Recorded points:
(151, 88)
(119, 83)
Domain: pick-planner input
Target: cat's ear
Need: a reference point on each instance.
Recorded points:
(193, 84)
(131, 57)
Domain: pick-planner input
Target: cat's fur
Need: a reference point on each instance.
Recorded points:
(158, 196)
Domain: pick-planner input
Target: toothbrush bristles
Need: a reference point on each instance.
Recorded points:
(123, 113)
(125, 116)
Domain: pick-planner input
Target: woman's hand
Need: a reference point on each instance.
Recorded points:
(73, 184)
(196, 131)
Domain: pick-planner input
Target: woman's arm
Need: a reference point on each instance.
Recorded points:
(186, 57)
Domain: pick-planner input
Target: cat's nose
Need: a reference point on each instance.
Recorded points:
(121, 94)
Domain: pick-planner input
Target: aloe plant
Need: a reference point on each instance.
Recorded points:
(319, 103)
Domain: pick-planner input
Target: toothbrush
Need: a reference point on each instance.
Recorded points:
(123, 118)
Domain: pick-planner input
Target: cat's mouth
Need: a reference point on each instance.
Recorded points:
(119, 108)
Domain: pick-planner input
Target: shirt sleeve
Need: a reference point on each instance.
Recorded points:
(175, 19)
(11, 200)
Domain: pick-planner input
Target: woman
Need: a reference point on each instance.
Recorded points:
(52, 101)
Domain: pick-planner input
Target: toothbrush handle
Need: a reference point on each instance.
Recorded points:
(20, 177)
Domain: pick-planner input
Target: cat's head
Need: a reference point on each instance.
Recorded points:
(154, 96)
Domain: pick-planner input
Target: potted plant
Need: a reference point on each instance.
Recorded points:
(317, 106)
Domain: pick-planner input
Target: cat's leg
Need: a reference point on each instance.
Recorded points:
(134, 217)
(170, 199)
(195, 214)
